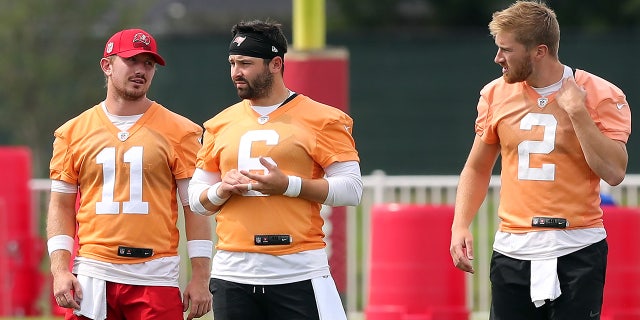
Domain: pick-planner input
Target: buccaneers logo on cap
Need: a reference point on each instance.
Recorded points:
(141, 40)
(238, 40)
(110, 47)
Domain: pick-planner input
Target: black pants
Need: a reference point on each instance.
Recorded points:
(581, 276)
(235, 301)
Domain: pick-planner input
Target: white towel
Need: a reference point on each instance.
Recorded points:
(327, 299)
(94, 298)
(544, 281)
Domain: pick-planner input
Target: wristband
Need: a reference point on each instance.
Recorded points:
(60, 242)
(199, 248)
(294, 187)
(212, 194)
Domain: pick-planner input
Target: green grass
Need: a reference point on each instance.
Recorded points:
(208, 316)
(34, 318)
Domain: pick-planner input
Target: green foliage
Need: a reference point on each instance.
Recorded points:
(50, 52)
(447, 14)
(37, 318)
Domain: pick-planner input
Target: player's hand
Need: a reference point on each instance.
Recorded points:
(233, 182)
(571, 97)
(65, 284)
(462, 249)
(274, 182)
(197, 299)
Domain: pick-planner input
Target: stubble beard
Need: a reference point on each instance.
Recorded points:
(520, 73)
(257, 89)
(130, 94)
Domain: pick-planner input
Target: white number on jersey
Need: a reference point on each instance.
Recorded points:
(252, 164)
(548, 170)
(135, 205)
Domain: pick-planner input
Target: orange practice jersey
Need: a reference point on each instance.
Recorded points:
(301, 137)
(126, 180)
(544, 171)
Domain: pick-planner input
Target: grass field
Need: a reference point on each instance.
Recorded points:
(208, 316)
(33, 318)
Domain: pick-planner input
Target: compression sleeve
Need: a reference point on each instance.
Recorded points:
(201, 181)
(183, 191)
(345, 184)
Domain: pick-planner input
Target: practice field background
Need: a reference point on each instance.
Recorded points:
(412, 89)
(208, 316)
(411, 189)
(412, 95)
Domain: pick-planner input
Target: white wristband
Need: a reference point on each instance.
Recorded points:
(212, 194)
(199, 248)
(60, 242)
(294, 187)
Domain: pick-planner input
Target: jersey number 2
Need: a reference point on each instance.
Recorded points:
(548, 170)
(135, 205)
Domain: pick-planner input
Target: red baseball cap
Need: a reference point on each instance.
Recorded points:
(130, 42)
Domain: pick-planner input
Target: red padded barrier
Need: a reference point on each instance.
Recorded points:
(323, 75)
(21, 248)
(622, 283)
(412, 276)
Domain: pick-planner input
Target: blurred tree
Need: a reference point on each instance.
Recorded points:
(598, 16)
(50, 49)
(50, 52)
(364, 13)
(381, 14)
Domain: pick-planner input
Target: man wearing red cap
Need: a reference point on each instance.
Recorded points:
(127, 157)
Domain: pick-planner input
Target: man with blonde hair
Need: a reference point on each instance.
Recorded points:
(558, 131)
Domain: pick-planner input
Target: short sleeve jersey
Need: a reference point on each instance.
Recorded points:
(544, 171)
(126, 179)
(302, 137)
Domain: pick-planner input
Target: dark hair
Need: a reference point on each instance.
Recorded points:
(270, 29)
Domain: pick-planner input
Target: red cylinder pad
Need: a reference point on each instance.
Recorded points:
(411, 268)
(622, 283)
(20, 246)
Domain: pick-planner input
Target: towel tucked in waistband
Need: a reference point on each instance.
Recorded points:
(544, 281)
(94, 298)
